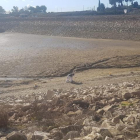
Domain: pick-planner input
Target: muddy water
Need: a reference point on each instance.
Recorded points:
(23, 55)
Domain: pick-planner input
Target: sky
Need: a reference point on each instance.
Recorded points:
(55, 5)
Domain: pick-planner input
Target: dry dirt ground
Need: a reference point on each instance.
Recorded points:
(87, 78)
(35, 56)
(42, 55)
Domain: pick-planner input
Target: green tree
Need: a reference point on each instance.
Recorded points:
(114, 2)
(37, 9)
(127, 2)
(2, 11)
(120, 2)
(131, 1)
(135, 5)
(101, 7)
(15, 9)
(43, 8)
(21, 11)
(32, 9)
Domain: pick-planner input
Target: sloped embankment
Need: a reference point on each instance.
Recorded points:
(123, 27)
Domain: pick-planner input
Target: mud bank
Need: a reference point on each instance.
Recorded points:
(31, 56)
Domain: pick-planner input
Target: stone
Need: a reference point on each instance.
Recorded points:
(105, 132)
(114, 132)
(67, 129)
(96, 117)
(24, 119)
(89, 122)
(137, 124)
(11, 113)
(78, 112)
(120, 127)
(86, 130)
(100, 111)
(108, 108)
(81, 104)
(38, 135)
(56, 134)
(18, 101)
(130, 119)
(114, 100)
(130, 134)
(138, 138)
(117, 118)
(126, 84)
(26, 107)
(16, 136)
(106, 124)
(126, 95)
(71, 113)
(50, 94)
(29, 136)
(71, 135)
(93, 136)
(108, 138)
(136, 94)
(2, 134)
(2, 138)
(120, 137)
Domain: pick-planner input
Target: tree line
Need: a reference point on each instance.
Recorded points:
(26, 10)
(120, 2)
(101, 7)
(118, 5)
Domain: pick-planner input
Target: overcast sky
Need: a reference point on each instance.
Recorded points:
(55, 5)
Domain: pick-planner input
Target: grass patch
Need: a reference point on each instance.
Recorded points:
(126, 103)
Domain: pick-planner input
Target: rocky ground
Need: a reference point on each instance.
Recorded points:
(123, 27)
(106, 112)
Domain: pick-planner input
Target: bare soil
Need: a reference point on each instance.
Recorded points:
(35, 56)
(87, 78)
(42, 56)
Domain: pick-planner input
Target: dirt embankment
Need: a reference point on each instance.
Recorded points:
(124, 27)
